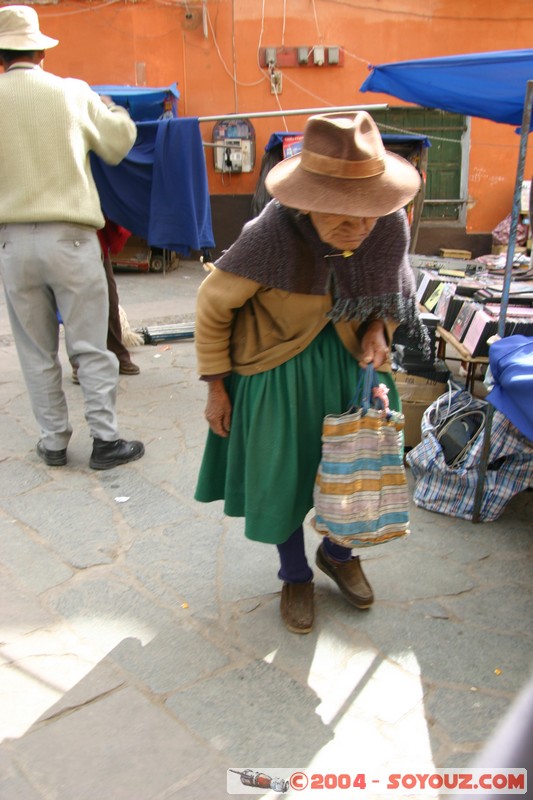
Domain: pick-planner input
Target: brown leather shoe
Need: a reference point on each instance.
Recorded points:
(128, 368)
(349, 577)
(297, 609)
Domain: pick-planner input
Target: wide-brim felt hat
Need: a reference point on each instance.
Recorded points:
(19, 30)
(343, 168)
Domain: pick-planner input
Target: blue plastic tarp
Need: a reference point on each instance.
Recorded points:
(278, 137)
(511, 365)
(488, 85)
(160, 190)
(142, 102)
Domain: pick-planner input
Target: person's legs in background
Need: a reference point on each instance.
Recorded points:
(114, 330)
(31, 307)
(80, 288)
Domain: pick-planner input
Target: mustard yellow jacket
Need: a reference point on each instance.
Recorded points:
(244, 327)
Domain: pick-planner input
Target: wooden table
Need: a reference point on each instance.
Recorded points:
(472, 363)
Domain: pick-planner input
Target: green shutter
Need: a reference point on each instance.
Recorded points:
(445, 131)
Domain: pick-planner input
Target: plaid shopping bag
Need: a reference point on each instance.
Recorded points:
(451, 489)
(361, 496)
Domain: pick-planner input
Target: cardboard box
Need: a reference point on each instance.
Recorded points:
(416, 388)
(417, 394)
(446, 252)
(413, 413)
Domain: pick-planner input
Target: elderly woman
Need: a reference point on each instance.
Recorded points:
(311, 290)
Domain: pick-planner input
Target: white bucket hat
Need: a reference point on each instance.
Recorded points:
(19, 30)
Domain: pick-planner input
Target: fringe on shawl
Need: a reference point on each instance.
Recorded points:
(389, 306)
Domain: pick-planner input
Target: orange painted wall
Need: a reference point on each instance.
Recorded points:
(214, 59)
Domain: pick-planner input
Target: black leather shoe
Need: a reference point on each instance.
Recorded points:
(54, 458)
(107, 455)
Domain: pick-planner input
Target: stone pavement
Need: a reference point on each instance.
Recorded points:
(142, 654)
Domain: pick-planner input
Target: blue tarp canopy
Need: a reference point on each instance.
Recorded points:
(143, 102)
(487, 85)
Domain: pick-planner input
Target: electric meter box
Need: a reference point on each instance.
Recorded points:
(234, 149)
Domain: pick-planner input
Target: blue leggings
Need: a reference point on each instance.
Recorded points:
(294, 567)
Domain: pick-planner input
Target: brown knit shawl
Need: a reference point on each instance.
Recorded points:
(281, 249)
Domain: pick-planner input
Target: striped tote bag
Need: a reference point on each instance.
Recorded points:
(361, 496)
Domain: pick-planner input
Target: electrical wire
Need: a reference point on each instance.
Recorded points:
(307, 91)
(234, 56)
(430, 16)
(316, 22)
(226, 69)
(261, 31)
(357, 58)
(417, 133)
(82, 10)
(281, 109)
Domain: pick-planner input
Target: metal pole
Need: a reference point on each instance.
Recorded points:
(485, 452)
(524, 133)
(294, 112)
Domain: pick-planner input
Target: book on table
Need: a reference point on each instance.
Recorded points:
(463, 319)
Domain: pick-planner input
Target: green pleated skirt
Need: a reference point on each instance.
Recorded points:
(265, 469)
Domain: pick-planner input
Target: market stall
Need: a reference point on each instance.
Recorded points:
(159, 192)
(494, 85)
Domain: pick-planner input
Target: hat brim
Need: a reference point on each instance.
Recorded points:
(25, 41)
(376, 196)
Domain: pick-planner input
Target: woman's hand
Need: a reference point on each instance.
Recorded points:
(218, 408)
(375, 349)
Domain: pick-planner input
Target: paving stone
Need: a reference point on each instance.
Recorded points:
(103, 678)
(210, 783)
(13, 783)
(501, 608)
(107, 610)
(19, 477)
(80, 531)
(503, 568)
(34, 565)
(110, 748)
(466, 716)
(399, 577)
(165, 663)
(446, 650)
(168, 565)
(148, 506)
(250, 568)
(22, 611)
(16, 441)
(258, 699)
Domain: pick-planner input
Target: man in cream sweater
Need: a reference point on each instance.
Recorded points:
(50, 257)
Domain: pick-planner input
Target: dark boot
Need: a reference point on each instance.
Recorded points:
(107, 455)
(53, 458)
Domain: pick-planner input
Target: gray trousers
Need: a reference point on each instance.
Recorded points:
(56, 267)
